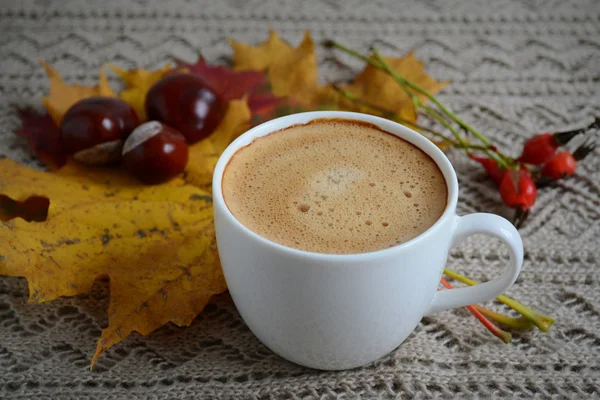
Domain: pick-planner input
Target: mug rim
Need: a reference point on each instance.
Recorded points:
(386, 125)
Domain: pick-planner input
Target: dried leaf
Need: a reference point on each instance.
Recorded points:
(291, 71)
(43, 137)
(138, 83)
(62, 96)
(248, 57)
(204, 155)
(442, 145)
(233, 85)
(34, 208)
(378, 88)
(156, 244)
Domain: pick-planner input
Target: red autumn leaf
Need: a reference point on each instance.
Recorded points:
(235, 85)
(35, 208)
(43, 137)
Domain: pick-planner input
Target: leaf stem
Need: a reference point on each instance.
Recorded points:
(430, 111)
(543, 322)
(392, 115)
(506, 337)
(437, 117)
(405, 82)
(389, 114)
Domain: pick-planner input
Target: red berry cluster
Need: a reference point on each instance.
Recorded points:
(539, 164)
(183, 108)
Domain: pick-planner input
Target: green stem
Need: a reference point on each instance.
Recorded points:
(474, 147)
(505, 160)
(436, 116)
(543, 322)
(388, 69)
(431, 112)
(390, 114)
(415, 100)
(463, 144)
(417, 103)
(405, 82)
(514, 323)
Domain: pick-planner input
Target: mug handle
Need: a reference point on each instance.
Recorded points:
(493, 225)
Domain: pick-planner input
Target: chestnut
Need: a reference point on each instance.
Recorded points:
(155, 152)
(93, 129)
(188, 103)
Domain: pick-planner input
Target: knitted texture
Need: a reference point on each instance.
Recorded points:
(517, 67)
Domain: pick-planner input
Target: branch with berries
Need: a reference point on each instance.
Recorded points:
(517, 179)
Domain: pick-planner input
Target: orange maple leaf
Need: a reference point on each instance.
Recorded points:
(291, 71)
(375, 87)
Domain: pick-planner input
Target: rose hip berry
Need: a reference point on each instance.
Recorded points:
(541, 148)
(155, 152)
(518, 191)
(564, 163)
(494, 171)
(93, 129)
(559, 166)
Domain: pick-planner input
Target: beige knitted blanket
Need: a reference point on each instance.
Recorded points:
(518, 67)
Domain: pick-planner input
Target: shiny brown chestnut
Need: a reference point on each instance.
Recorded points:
(155, 152)
(188, 103)
(93, 130)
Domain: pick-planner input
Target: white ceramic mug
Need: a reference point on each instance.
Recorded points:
(339, 311)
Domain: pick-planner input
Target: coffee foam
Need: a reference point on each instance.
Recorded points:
(334, 186)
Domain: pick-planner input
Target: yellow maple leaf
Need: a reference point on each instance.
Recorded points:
(376, 87)
(156, 244)
(204, 155)
(291, 71)
(138, 83)
(62, 96)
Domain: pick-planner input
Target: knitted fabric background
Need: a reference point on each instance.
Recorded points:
(517, 67)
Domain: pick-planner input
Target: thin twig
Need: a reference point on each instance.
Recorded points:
(433, 113)
(389, 114)
(503, 161)
(394, 116)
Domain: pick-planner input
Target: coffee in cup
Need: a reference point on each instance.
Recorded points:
(334, 186)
